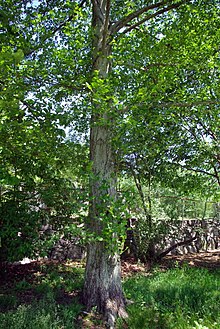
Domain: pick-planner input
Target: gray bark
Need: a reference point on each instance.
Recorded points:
(102, 288)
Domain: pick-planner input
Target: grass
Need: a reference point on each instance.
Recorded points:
(46, 300)
(46, 314)
(178, 298)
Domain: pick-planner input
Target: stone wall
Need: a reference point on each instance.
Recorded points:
(198, 235)
(67, 249)
(204, 235)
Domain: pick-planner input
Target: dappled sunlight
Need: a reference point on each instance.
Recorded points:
(175, 294)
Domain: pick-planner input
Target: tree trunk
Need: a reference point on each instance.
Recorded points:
(103, 278)
(102, 288)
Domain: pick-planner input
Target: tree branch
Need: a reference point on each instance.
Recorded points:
(173, 104)
(29, 52)
(106, 23)
(207, 130)
(127, 19)
(53, 32)
(157, 13)
(139, 187)
(176, 245)
(195, 169)
(216, 175)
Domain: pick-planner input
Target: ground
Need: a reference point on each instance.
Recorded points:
(29, 281)
(208, 260)
(11, 273)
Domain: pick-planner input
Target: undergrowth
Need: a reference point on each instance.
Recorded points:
(49, 300)
(177, 298)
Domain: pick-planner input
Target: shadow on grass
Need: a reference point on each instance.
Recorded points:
(40, 295)
(179, 298)
(46, 296)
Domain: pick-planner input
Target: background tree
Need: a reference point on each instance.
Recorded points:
(37, 186)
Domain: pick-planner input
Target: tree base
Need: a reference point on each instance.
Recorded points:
(102, 289)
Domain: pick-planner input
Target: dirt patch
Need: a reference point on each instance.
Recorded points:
(11, 273)
(210, 260)
(130, 267)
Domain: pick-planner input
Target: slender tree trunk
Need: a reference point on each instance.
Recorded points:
(102, 288)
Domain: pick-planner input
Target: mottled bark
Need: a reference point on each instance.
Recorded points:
(102, 289)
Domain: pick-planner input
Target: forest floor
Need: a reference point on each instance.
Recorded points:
(25, 284)
(209, 260)
(11, 272)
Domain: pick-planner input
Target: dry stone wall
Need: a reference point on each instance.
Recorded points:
(198, 235)
(67, 249)
(203, 234)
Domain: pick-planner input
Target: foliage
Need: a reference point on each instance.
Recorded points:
(160, 103)
(168, 100)
(40, 169)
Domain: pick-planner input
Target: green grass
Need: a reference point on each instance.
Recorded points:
(46, 301)
(45, 314)
(180, 298)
